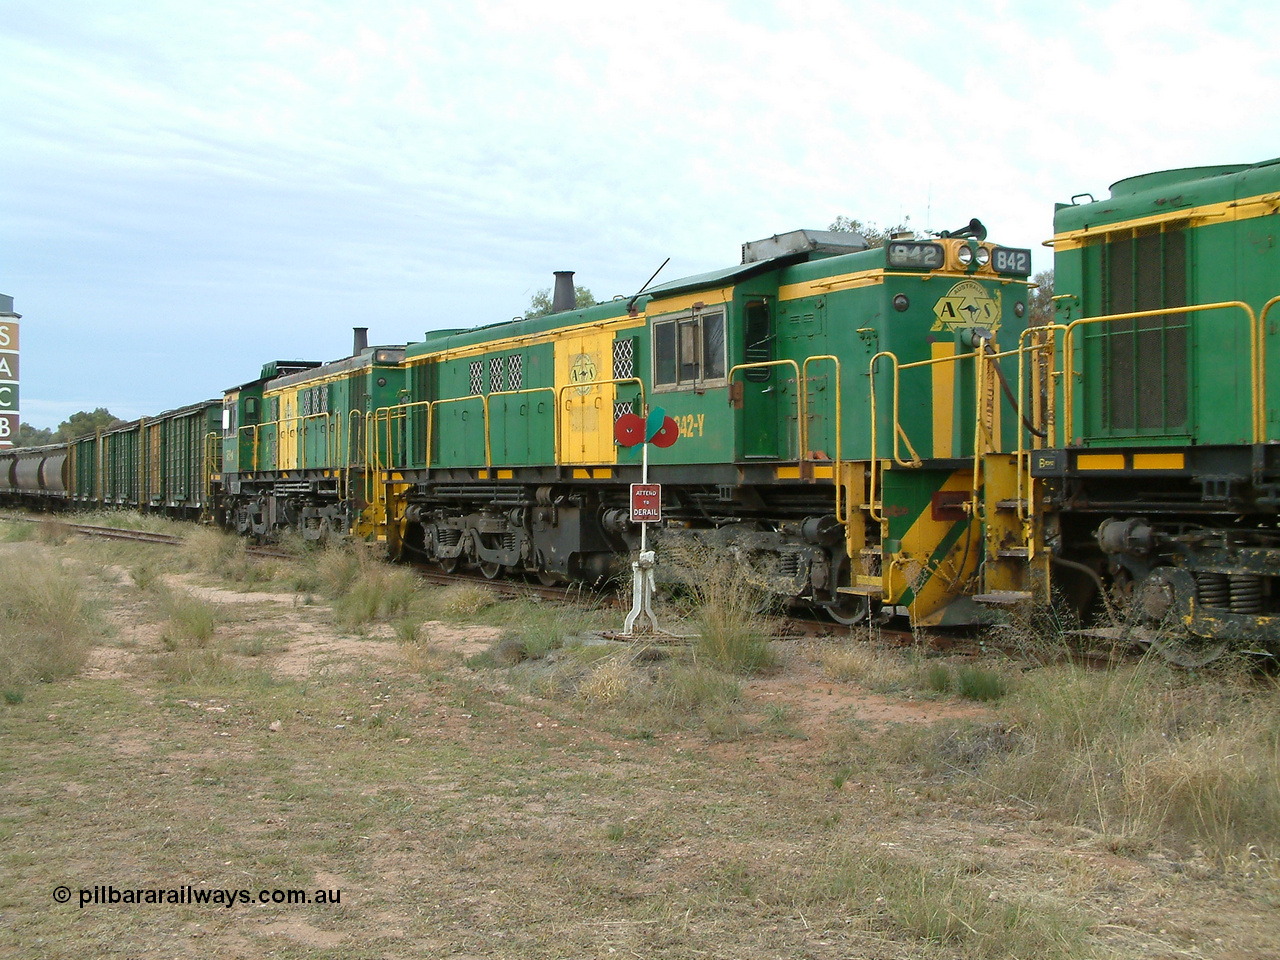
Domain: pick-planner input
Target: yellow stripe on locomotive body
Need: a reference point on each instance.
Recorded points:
(1228, 211)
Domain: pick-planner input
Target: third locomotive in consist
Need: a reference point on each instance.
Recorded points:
(874, 429)
(1166, 477)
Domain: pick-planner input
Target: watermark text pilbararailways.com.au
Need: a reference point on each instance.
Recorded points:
(188, 895)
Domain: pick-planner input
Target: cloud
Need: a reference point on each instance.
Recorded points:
(243, 181)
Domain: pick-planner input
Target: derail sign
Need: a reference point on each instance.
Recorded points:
(646, 503)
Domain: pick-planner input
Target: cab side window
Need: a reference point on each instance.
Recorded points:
(689, 350)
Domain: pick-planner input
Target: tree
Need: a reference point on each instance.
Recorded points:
(1040, 299)
(540, 302)
(29, 436)
(84, 423)
(875, 235)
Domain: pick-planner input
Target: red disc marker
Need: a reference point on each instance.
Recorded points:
(667, 434)
(629, 430)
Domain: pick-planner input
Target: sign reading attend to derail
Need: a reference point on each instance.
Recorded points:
(646, 503)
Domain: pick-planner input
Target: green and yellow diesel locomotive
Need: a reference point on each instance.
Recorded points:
(294, 444)
(874, 428)
(847, 419)
(1163, 471)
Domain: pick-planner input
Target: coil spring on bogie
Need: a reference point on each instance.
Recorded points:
(1246, 594)
(1214, 589)
(789, 565)
(510, 540)
(448, 536)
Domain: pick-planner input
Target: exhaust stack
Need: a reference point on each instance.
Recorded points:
(359, 340)
(563, 298)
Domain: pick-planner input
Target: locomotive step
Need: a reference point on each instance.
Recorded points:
(864, 587)
(1020, 553)
(1011, 504)
(1004, 597)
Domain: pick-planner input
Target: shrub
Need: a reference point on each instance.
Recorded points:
(975, 683)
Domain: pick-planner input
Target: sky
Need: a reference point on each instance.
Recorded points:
(189, 190)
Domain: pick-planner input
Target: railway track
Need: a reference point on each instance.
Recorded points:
(97, 532)
(791, 626)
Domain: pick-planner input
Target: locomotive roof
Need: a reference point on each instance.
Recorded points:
(389, 353)
(437, 341)
(1168, 193)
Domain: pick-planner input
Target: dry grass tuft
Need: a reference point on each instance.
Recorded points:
(458, 600)
(874, 668)
(610, 682)
(209, 549)
(45, 626)
(1139, 753)
(363, 588)
(191, 620)
(950, 903)
(730, 595)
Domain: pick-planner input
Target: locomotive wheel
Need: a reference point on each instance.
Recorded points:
(1188, 651)
(448, 564)
(849, 611)
(547, 578)
(490, 570)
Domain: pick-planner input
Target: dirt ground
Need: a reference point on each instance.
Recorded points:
(464, 811)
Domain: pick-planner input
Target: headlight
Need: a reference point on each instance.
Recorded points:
(965, 256)
(984, 256)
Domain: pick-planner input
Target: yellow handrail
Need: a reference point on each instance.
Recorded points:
(559, 424)
(1068, 351)
(484, 410)
(353, 416)
(1041, 417)
(211, 440)
(1262, 365)
(897, 425)
(399, 412)
(841, 516)
(240, 430)
(302, 439)
(801, 431)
